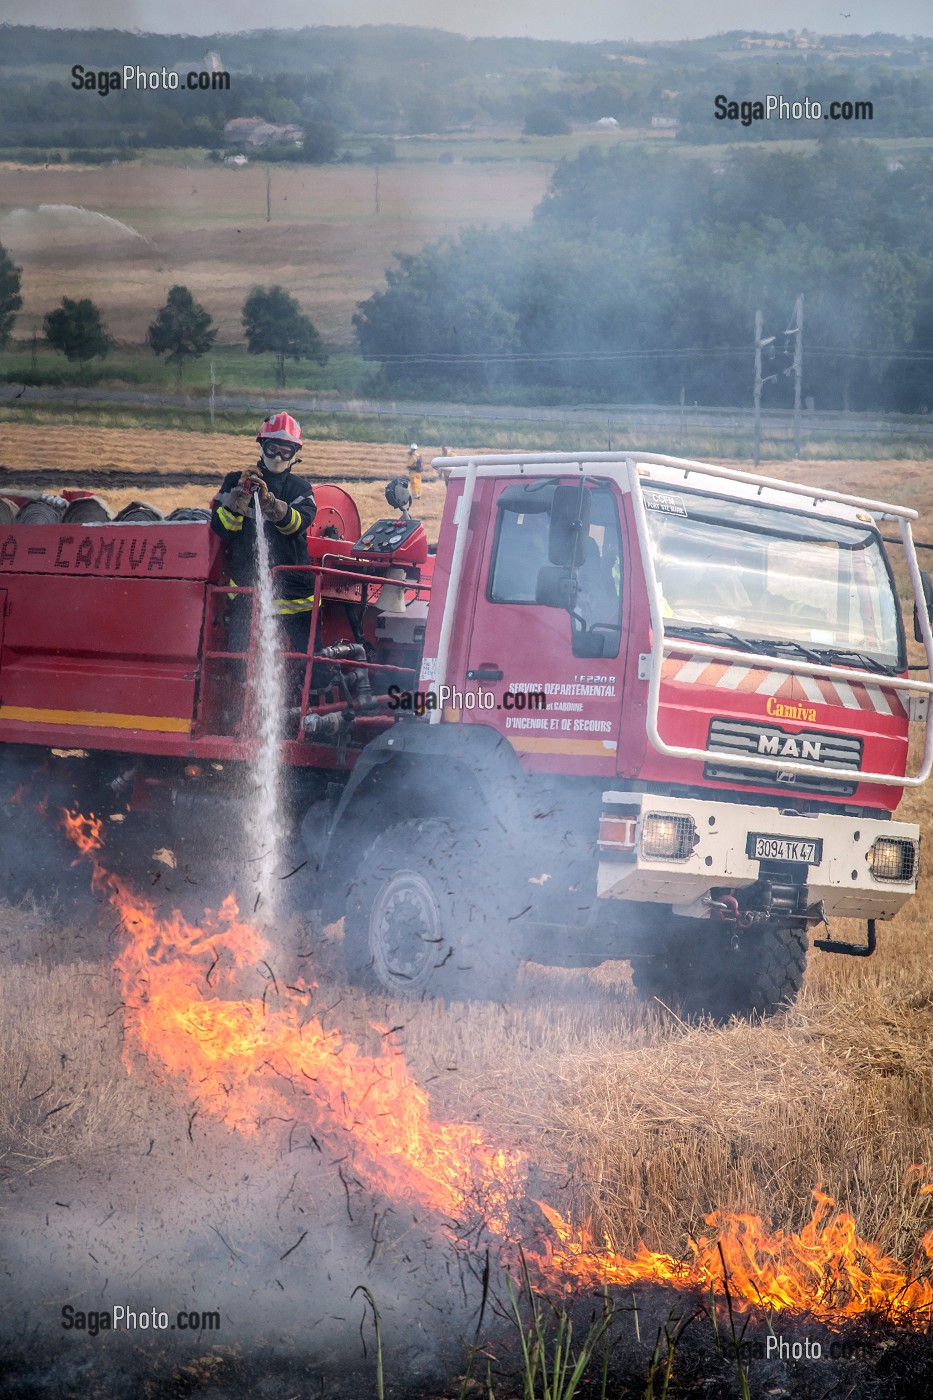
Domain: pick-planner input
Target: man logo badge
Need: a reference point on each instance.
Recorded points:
(790, 746)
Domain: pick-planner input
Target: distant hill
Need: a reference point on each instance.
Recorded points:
(400, 80)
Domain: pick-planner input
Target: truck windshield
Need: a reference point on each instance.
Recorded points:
(775, 577)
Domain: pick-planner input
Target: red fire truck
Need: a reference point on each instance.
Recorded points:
(631, 707)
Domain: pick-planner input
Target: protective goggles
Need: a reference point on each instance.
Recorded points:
(275, 447)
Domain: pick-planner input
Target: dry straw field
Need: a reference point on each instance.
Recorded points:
(638, 1122)
(94, 458)
(326, 242)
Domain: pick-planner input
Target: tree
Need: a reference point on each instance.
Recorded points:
(10, 299)
(77, 330)
(274, 323)
(446, 313)
(546, 121)
(320, 143)
(181, 331)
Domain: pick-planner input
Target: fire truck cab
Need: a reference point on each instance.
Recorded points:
(666, 711)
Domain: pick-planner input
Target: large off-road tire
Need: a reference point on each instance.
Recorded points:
(696, 972)
(421, 917)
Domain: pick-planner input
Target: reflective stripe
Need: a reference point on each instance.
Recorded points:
(294, 605)
(784, 685)
(228, 519)
(291, 524)
(96, 719)
(283, 606)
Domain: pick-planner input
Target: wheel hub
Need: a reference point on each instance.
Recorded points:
(406, 933)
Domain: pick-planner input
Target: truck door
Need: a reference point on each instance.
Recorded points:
(547, 649)
(2, 621)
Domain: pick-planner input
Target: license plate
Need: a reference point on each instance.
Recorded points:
(791, 848)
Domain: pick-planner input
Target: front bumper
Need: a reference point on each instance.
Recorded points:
(842, 880)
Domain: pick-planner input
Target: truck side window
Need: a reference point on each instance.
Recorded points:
(521, 550)
(598, 608)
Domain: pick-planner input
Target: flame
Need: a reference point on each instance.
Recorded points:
(252, 1060)
(827, 1269)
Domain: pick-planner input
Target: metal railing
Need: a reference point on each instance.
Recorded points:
(308, 658)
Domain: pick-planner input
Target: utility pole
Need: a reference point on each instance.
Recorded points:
(756, 393)
(268, 195)
(797, 330)
(376, 190)
(213, 397)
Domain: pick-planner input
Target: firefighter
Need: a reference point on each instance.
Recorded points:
(415, 468)
(285, 504)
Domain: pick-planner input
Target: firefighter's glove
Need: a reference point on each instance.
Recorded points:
(237, 500)
(273, 509)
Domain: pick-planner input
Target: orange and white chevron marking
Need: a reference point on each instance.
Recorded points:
(787, 696)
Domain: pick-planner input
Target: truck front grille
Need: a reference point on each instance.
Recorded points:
(736, 736)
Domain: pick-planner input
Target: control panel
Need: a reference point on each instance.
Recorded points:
(403, 541)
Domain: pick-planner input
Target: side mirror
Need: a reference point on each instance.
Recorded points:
(927, 582)
(556, 587)
(569, 530)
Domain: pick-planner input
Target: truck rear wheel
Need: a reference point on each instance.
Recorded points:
(420, 917)
(696, 972)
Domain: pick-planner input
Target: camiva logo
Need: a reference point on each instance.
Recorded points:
(780, 710)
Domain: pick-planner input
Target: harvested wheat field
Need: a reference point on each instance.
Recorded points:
(618, 1115)
(102, 458)
(123, 236)
(81, 450)
(111, 460)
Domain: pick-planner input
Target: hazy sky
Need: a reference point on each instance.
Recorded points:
(546, 19)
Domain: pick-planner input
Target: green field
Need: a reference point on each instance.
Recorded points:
(235, 370)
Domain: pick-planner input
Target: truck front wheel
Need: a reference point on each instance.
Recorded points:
(420, 918)
(696, 972)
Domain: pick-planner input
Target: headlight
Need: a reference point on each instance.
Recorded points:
(667, 837)
(891, 858)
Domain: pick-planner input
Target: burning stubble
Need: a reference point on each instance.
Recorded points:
(251, 1061)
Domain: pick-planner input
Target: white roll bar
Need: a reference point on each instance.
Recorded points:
(462, 524)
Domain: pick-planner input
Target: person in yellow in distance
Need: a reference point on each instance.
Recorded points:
(415, 469)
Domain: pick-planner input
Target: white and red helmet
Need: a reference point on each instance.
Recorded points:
(282, 427)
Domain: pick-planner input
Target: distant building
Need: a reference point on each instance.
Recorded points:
(663, 123)
(209, 62)
(254, 131)
(236, 162)
(607, 124)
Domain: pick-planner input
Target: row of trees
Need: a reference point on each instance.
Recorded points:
(182, 330)
(641, 274)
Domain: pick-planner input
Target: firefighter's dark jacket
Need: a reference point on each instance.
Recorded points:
(286, 541)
